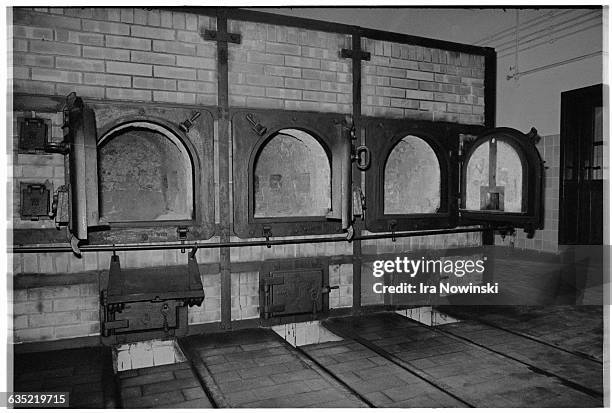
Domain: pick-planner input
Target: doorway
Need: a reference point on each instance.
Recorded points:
(581, 167)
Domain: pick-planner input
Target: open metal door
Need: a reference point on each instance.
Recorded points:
(80, 124)
(502, 175)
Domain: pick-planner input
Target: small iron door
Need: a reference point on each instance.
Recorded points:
(292, 292)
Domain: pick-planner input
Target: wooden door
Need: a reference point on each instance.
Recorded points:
(581, 167)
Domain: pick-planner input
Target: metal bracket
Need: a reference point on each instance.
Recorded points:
(214, 35)
(188, 123)
(392, 226)
(533, 135)
(182, 235)
(257, 127)
(361, 55)
(267, 232)
(358, 202)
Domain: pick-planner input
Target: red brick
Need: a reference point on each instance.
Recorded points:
(106, 53)
(140, 16)
(19, 45)
(33, 334)
(207, 75)
(457, 108)
(33, 307)
(283, 48)
(178, 20)
(318, 74)
(257, 57)
(29, 18)
(199, 87)
(205, 50)
(334, 66)
(405, 103)
(316, 52)
(390, 71)
(302, 84)
(197, 62)
(206, 99)
(282, 93)
(79, 64)
(127, 15)
(153, 18)
(433, 106)
(107, 80)
(446, 97)
(283, 71)
(106, 27)
(471, 119)
(404, 83)
(258, 80)
(33, 32)
(152, 83)
(191, 22)
(84, 329)
(50, 75)
(153, 32)
(86, 38)
(174, 47)
(166, 18)
(246, 90)
(129, 68)
(52, 319)
(128, 94)
(413, 74)
(302, 62)
(153, 58)
(189, 37)
(128, 43)
(253, 68)
(447, 78)
(55, 48)
(319, 96)
(106, 13)
(175, 72)
(22, 59)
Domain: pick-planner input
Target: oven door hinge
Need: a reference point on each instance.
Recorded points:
(269, 306)
(359, 200)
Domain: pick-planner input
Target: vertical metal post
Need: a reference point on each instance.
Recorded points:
(356, 173)
(224, 178)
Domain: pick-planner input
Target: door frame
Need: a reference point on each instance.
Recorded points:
(568, 100)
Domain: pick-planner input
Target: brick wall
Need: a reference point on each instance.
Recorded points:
(123, 54)
(51, 313)
(406, 81)
(547, 239)
(289, 68)
(140, 55)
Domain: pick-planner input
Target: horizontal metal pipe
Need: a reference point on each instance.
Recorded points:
(25, 249)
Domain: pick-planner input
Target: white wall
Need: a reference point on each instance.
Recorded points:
(534, 99)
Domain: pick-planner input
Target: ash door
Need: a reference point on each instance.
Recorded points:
(298, 290)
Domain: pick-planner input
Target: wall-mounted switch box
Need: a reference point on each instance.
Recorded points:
(35, 200)
(33, 134)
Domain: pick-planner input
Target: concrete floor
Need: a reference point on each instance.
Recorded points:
(494, 357)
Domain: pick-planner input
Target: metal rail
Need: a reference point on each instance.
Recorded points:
(26, 249)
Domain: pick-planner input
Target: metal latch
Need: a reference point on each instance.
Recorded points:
(358, 202)
(111, 325)
(182, 235)
(188, 123)
(257, 127)
(267, 232)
